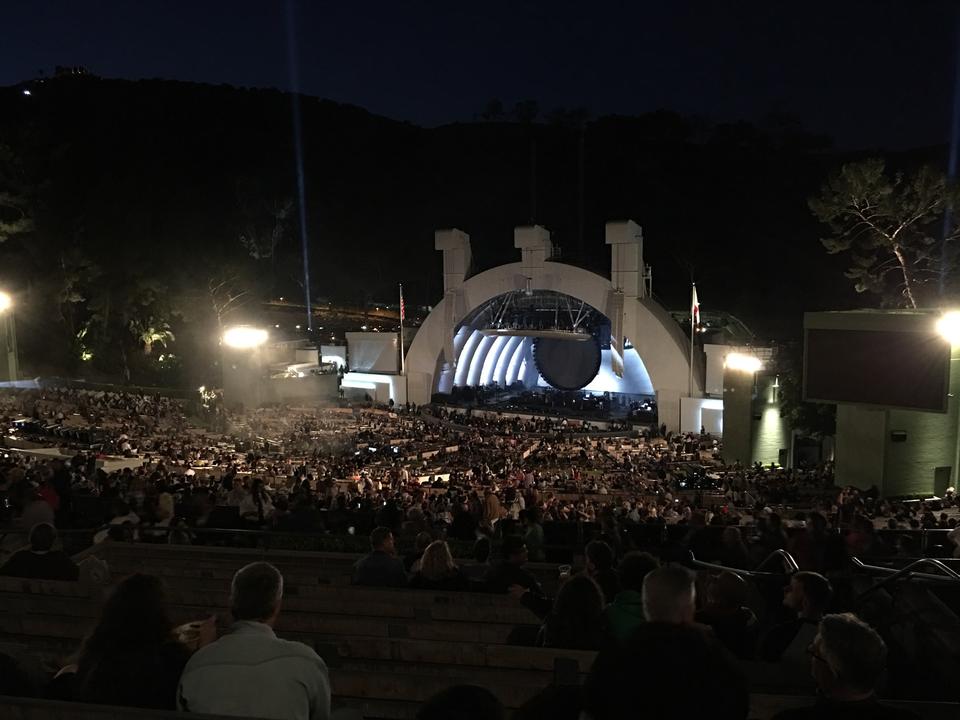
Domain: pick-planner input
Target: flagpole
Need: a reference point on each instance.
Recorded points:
(403, 360)
(403, 368)
(692, 330)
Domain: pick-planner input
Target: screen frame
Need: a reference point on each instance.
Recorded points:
(902, 321)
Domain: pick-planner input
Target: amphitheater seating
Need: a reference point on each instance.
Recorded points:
(762, 707)
(381, 644)
(29, 709)
(56, 615)
(371, 657)
(219, 563)
(387, 649)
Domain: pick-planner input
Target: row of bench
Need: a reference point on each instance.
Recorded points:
(387, 649)
(219, 563)
(762, 707)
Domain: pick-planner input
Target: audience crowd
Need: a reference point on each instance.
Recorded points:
(643, 503)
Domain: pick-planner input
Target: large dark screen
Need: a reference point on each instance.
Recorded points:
(877, 367)
(567, 364)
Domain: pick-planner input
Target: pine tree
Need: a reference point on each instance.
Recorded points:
(890, 226)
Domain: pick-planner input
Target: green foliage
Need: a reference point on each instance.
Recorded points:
(526, 111)
(888, 226)
(151, 331)
(265, 222)
(575, 117)
(147, 179)
(127, 314)
(15, 219)
(493, 111)
(124, 281)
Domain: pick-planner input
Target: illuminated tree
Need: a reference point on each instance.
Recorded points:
(890, 228)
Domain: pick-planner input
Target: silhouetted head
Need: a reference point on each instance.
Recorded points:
(462, 702)
(256, 593)
(42, 537)
(670, 595)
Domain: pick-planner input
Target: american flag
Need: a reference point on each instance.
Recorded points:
(403, 308)
(694, 307)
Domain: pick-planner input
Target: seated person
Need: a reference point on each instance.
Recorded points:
(808, 595)
(133, 657)
(557, 702)
(250, 671)
(411, 561)
(438, 571)
(41, 561)
(509, 575)
(600, 562)
(665, 657)
(576, 621)
(847, 658)
(625, 613)
(533, 535)
(670, 596)
(463, 702)
(734, 624)
(381, 567)
(478, 570)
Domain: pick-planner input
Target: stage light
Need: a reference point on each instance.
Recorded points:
(6, 302)
(949, 327)
(244, 337)
(742, 362)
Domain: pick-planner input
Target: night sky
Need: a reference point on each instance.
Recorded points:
(867, 72)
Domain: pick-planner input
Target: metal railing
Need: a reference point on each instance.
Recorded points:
(787, 560)
(789, 566)
(893, 575)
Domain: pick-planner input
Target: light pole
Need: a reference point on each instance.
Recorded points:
(739, 376)
(9, 369)
(949, 328)
(243, 363)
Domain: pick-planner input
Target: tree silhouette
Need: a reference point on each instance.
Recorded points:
(15, 218)
(888, 225)
(493, 111)
(526, 111)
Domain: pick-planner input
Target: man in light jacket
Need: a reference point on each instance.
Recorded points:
(251, 672)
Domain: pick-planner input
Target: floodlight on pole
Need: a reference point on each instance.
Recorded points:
(244, 337)
(949, 327)
(742, 362)
(9, 365)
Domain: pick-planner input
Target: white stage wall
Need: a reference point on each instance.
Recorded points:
(336, 354)
(701, 412)
(373, 352)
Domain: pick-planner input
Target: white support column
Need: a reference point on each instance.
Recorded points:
(625, 239)
(457, 256)
(616, 312)
(455, 245)
(535, 247)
